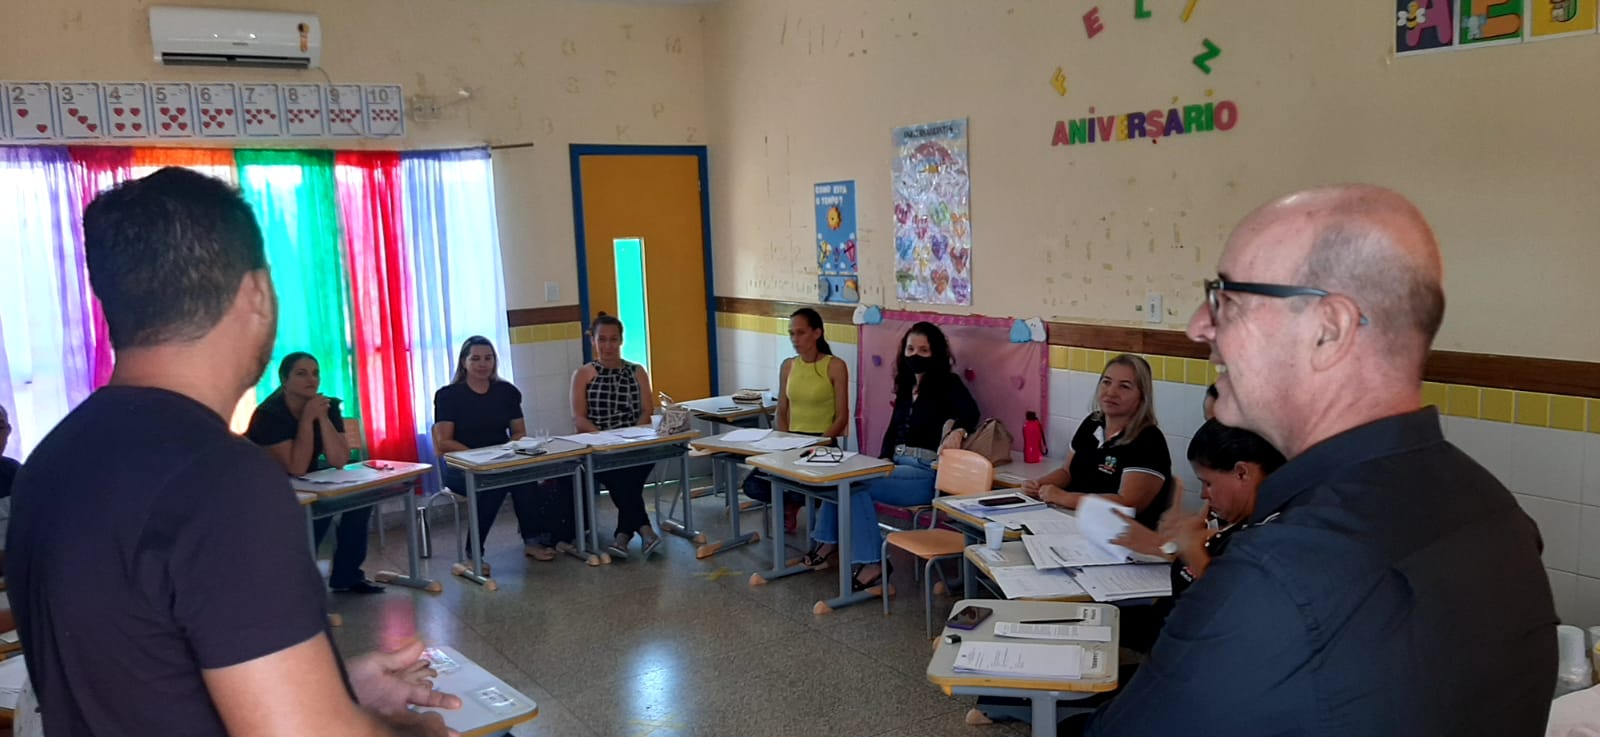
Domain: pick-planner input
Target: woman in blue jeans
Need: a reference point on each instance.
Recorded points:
(928, 396)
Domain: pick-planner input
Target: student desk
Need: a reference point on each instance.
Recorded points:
(489, 705)
(1013, 554)
(832, 483)
(727, 456)
(1044, 694)
(724, 411)
(1011, 475)
(971, 526)
(374, 483)
(646, 452)
(560, 458)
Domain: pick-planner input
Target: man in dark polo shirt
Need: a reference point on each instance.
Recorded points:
(1397, 588)
(157, 562)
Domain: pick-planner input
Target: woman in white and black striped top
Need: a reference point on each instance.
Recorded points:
(610, 393)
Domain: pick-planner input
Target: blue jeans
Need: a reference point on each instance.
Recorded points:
(910, 485)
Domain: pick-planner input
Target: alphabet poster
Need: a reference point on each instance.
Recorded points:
(1556, 18)
(932, 214)
(836, 242)
(1424, 25)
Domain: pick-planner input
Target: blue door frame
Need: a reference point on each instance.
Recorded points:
(575, 153)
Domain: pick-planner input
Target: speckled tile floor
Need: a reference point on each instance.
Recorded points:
(673, 646)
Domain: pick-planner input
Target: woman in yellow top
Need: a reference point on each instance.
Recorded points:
(815, 399)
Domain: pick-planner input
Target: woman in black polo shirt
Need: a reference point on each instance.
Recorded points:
(1118, 451)
(304, 431)
(928, 397)
(478, 409)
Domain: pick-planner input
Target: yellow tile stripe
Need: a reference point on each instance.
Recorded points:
(546, 333)
(1456, 400)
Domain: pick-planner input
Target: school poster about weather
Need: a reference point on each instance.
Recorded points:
(836, 242)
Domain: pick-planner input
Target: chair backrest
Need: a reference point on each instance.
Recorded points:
(353, 436)
(963, 473)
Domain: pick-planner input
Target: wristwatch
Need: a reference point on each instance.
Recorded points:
(1169, 547)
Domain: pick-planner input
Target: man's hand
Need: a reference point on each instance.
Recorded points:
(390, 682)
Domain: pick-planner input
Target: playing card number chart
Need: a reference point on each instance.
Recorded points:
(89, 111)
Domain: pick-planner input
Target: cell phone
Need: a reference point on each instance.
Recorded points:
(969, 617)
(1002, 501)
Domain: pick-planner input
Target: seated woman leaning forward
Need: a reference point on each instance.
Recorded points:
(1118, 451)
(928, 396)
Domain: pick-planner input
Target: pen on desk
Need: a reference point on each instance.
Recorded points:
(1053, 621)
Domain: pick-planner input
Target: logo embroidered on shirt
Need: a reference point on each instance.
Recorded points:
(1109, 465)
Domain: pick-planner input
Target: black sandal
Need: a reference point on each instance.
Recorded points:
(814, 559)
(856, 584)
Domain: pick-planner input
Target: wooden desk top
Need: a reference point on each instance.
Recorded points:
(1015, 555)
(941, 667)
(389, 474)
(717, 444)
(644, 443)
(724, 409)
(1011, 475)
(943, 504)
(555, 450)
(784, 464)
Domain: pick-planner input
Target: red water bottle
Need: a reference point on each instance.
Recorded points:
(1033, 447)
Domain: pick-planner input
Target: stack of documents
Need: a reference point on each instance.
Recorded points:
(1073, 632)
(1021, 660)
(1116, 583)
(745, 436)
(974, 505)
(13, 673)
(481, 456)
(1027, 582)
(789, 442)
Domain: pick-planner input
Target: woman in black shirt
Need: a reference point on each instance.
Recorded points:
(1119, 450)
(304, 431)
(928, 396)
(478, 409)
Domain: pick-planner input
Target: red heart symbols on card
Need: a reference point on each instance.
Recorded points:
(120, 126)
(138, 126)
(72, 111)
(133, 111)
(92, 127)
(117, 111)
(83, 119)
(166, 126)
(22, 112)
(206, 124)
(181, 110)
(166, 111)
(42, 127)
(183, 126)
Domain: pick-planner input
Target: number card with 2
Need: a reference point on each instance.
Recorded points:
(344, 110)
(78, 110)
(31, 115)
(302, 109)
(127, 107)
(385, 111)
(261, 110)
(173, 106)
(218, 105)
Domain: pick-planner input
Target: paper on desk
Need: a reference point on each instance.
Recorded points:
(485, 455)
(1045, 521)
(1021, 660)
(13, 674)
(1074, 632)
(1070, 551)
(844, 456)
(973, 505)
(1027, 582)
(633, 433)
(341, 475)
(745, 436)
(9, 638)
(1098, 521)
(1131, 581)
(588, 439)
(789, 442)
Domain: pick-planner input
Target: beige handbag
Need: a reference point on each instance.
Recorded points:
(991, 440)
(675, 418)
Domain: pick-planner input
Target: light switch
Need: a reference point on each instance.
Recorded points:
(552, 292)
(1152, 308)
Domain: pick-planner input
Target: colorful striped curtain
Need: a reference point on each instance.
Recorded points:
(380, 282)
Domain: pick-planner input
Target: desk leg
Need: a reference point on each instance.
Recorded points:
(1044, 715)
(582, 518)
(591, 502)
(413, 579)
(685, 528)
(847, 597)
(969, 574)
(474, 573)
(728, 480)
(311, 533)
(780, 567)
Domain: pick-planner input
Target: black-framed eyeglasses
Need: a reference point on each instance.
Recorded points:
(824, 454)
(1279, 291)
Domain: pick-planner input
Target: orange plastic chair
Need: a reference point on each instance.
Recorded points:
(961, 473)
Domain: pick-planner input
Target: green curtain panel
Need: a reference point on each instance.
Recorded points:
(296, 200)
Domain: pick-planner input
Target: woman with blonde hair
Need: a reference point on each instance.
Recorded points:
(1119, 450)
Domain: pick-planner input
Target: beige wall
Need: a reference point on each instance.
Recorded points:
(1496, 145)
(550, 72)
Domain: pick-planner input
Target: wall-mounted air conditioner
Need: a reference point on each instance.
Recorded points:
(235, 38)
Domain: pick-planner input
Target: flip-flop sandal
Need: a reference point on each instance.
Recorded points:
(617, 551)
(542, 553)
(650, 547)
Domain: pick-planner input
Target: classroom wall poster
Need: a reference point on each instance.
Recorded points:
(932, 214)
(836, 242)
(1490, 22)
(1424, 25)
(1557, 18)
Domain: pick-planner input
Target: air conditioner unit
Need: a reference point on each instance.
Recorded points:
(235, 38)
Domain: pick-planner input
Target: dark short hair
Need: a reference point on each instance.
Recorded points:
(1211, 392)
(602, 320)
(166, 254)
(1219, 447)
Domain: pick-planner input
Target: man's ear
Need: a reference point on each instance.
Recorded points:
(1338, 319)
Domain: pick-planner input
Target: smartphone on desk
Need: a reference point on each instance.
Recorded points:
(1003, 501)
(969, 617)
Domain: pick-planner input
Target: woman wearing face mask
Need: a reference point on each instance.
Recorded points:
(478, 409)
(815, 400)
(1118, 451)
(610, 393)
(928, 394)
(304, 431)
